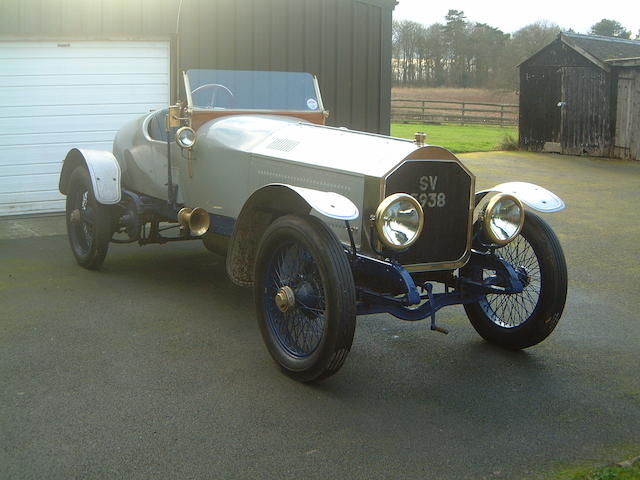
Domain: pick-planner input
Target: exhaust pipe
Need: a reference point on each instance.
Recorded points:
(194, 219)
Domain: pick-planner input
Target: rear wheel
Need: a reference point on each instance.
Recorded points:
(305, 297)
(88, 222)
(521, 320)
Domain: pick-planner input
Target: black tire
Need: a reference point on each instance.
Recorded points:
(525, 319)
(312, 338)
(88, 222)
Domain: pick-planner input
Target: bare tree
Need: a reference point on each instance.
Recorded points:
(434, 45)
(406, 35)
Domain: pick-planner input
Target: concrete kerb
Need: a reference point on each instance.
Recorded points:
(26, 226)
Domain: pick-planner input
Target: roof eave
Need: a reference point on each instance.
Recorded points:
(624, 62)
(564, 39)
(585, 54)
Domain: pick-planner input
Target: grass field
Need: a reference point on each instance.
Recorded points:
(458, 138)
(615, 472)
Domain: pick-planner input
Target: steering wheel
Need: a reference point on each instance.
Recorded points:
(214, 87)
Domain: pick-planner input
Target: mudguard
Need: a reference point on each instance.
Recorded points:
(329, 204)
(280, 199)
(104, 171)
(532, 195)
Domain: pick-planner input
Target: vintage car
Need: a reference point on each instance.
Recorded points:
(324, 223)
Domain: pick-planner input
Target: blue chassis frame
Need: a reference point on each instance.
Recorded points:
(411, 305)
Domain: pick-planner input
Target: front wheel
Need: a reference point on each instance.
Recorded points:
(524, 319)
(88, 221)
(305, 297)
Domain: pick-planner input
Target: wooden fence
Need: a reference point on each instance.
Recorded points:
(442, 111)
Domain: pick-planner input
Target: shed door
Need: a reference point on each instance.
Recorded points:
(585, 114)
(58, 95)
(539, 111)
(627, 114)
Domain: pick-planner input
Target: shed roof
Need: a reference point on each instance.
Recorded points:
(601, 51)
(603, 48)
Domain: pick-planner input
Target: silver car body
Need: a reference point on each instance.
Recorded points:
(235, 156)
(335, 170)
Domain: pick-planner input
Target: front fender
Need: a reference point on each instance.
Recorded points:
(532, 195)
(268, 203)
(104, 171)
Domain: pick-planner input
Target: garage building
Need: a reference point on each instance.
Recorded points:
(73, 71)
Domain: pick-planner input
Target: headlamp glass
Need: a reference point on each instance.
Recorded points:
(503, 218)
(399, 221)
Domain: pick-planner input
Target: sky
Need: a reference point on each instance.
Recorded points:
(513, 15)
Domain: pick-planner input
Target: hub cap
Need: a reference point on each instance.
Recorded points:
(285, 298)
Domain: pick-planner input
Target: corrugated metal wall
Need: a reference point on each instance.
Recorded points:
(346, 43)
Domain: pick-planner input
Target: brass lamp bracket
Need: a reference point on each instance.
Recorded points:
(178, 114)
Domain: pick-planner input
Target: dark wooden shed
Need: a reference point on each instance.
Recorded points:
(569, 94)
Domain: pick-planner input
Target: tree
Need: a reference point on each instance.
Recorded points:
(486, 48)
(610, 28)
(435, 46)
(406, 40)
(524, 43)
(456, 35)
(528, 40)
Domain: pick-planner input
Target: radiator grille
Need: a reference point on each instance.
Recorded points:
(444, 189)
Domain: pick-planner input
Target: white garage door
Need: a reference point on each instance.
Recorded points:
(59, 95)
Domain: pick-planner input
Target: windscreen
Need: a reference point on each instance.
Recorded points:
(247, 90)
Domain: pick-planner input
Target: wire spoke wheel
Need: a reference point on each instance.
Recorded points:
(300, 327)
(510, 311)
(305, 297)
(521, 320)
(88, 222)
(81, 219)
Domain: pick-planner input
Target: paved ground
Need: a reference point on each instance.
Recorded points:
(154, 366)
